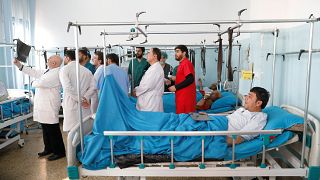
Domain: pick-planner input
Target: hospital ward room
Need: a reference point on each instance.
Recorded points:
(159, 90)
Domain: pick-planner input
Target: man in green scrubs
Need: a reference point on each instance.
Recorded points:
(140, 66)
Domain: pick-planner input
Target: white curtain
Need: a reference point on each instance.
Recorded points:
(15, 24)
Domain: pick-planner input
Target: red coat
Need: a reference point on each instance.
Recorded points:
(185, 97)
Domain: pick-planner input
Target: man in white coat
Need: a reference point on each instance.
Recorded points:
(70, 102)
(47, 101)
(149, 92)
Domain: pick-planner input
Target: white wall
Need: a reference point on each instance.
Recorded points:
(282, 9)
(52, 18)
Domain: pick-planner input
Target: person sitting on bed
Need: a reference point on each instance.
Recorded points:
(207, 100)
(249, 117)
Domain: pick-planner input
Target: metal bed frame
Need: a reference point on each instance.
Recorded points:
(269, 165)
(303, 170)
(13, 119)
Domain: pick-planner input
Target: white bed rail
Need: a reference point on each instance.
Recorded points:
(74, 139)
(188, 133)
(313, 158)
(266, 134)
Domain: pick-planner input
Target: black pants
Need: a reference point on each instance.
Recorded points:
(52, 139)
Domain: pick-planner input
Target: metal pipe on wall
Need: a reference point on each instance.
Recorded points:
(119, 54)
(192, 22)
(306, 109)
(170, 45)
(239, 72)
(7, 44)
(294, 52)
(78, 87)
(184, 32)
(104, 54)
(275, 36)
(232, 28)
(132, 74)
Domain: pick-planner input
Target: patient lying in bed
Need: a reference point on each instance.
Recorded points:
(117, 113)
(208, 97)
(250, 117)
(207, 100)
(245, 118)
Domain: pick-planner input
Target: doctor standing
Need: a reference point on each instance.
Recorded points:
(68, 78)
(47, 103)
(149, 92)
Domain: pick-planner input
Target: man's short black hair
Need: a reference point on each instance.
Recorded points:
(100, 56)
(157, 52)
(113, 57)
(85, 51)
(142, 49)
(183, 48)
(262, 95)
(70, 54)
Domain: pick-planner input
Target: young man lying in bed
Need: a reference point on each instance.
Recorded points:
(250, 116)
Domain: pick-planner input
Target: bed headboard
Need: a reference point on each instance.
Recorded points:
(74, 139)
(312, 154)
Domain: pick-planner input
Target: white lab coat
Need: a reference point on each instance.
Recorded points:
(47, 99)
(68, 80)
(149, 92)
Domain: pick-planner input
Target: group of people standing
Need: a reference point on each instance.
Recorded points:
(152, 76)
(149, 78)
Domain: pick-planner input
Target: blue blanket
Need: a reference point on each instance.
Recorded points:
(18, 106)
(117, 113)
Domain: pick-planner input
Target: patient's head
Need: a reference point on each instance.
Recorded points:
(215, 95)
(257, 99)
(213, 86)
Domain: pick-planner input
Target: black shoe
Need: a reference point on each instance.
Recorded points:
(55, 157)
(44, 153)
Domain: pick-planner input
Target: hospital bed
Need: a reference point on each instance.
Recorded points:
(272, 161)
(12, 111)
